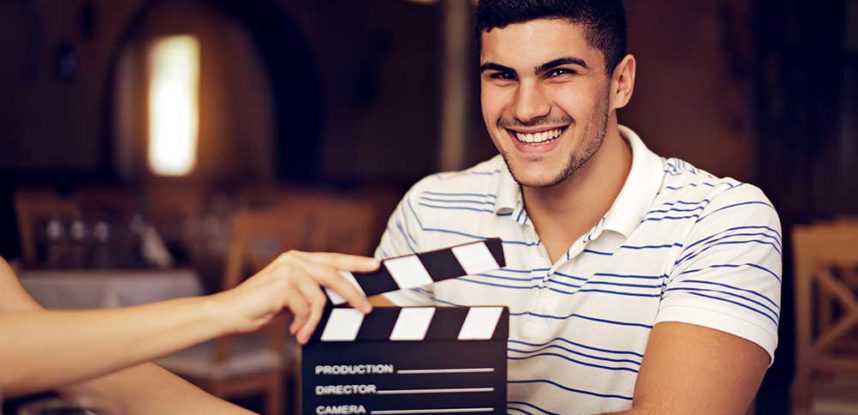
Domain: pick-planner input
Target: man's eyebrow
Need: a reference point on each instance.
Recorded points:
(568, 60)
(491, 66)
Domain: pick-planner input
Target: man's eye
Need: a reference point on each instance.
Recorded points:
(560, 71)
(506, 76)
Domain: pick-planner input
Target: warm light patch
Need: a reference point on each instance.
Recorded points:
(174, 70)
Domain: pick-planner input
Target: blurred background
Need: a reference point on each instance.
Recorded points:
(152, 149)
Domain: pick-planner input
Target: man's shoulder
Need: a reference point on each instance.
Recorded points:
(688, 187)
(682, 179)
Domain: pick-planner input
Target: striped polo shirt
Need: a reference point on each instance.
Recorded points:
(678, 244)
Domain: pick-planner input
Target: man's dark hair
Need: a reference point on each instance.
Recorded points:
(604, 20)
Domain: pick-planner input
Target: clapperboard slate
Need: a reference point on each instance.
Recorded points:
(412, 360)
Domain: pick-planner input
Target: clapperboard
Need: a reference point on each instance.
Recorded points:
(412, 360)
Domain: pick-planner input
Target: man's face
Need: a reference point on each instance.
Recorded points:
(544, 94)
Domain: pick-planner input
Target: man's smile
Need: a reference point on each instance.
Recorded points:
(530, 140)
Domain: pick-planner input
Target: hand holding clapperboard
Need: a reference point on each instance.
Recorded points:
(413, 360)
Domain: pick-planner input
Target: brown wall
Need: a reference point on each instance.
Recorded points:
(378, 63)
(693, 97)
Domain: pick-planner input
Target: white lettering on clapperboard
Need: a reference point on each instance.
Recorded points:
(354, 369)
(340, 410)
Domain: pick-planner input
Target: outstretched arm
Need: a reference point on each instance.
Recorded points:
(690, 369)
(52, 349)
(141, 389)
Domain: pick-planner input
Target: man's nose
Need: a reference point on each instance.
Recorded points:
(530, 103)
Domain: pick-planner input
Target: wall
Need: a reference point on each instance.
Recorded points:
(374, 58)
(694, 96)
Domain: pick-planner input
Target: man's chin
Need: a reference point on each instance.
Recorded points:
(534, 180)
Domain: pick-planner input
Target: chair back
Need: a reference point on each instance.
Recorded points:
(825, 258)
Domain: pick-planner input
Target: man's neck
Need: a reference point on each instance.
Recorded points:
(562, 213)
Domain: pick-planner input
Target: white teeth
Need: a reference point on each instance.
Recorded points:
(539, 137)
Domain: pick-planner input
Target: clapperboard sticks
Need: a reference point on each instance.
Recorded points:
(413, 360)
(412, 271)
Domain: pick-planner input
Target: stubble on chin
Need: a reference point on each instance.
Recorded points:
(577, 159)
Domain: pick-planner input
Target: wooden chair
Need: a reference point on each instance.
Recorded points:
(826, 282)
(255, 363)
(344, 225)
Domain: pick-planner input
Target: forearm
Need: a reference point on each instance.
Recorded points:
(145, 389)
(47, 349)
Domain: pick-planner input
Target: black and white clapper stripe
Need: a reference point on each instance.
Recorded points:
(417, 270)
(414, 324)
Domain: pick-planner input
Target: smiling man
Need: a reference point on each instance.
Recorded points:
(635, 283)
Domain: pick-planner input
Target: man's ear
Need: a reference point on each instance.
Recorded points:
(623, 82)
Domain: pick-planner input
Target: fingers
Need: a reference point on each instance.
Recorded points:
(341, 261)
(331, 278)
(307, 273)
(317, 300)
(300, 309)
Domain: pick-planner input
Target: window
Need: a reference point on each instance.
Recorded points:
(174, 67)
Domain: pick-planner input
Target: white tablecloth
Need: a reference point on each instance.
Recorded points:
(75, 289)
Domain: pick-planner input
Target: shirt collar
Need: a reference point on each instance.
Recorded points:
(641, 187)
(630, 206)
(508, 192)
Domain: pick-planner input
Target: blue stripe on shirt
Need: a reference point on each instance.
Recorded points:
(642, 247)
(489, 195)
(476, 202)
(669, 218)
(566, 388)
(736, 228)
(580, 316)
(738, 304)
(754, 202)
(530, 405)
(516, 287)
(541, 347)
(456, 208)
(774, 314)
(675, 210)
(683, 202)
(519, 410)
(478, 237)
(701, 251)
(765, 235)
(634, 276)
(406, 235)
(569, 359)
(598, 291)
(581, 345)
(768, 271)
(770, 301)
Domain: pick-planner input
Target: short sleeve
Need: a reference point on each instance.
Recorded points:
(728, 275)
(402, 237)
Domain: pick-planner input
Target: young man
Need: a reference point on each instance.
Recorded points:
(635, 283)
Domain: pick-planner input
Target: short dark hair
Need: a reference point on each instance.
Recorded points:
(605, 21)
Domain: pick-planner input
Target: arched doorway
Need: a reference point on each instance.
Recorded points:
(259, 101)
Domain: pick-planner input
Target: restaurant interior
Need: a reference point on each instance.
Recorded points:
(155, 149)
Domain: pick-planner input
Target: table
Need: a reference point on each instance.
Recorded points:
(77, 289)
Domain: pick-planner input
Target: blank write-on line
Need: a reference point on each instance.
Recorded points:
(444, 371)
(431, 411)
(425, 391)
